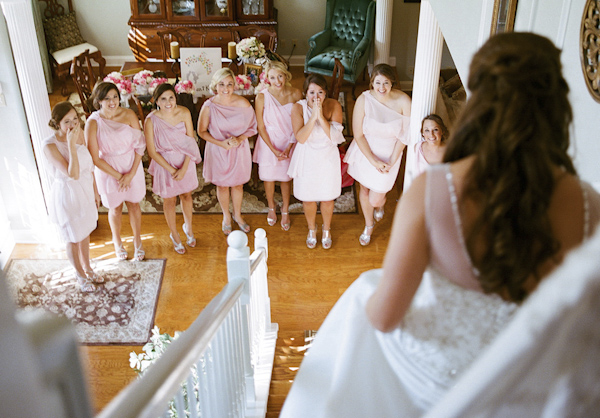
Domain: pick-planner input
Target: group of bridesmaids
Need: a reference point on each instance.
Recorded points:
(298, 135)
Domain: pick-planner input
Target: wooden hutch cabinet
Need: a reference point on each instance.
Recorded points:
(214, 16)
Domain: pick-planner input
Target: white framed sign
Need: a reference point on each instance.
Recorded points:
(198, 65)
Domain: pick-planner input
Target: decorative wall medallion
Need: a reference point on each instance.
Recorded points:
(590, 47)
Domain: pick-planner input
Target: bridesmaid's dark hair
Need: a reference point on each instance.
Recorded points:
(59, 111)
(516, 124)
(159, 90)
(101, 90)
(317, 79)
(440, 122)
(385, 70)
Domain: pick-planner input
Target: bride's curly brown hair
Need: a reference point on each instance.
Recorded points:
(516, 124)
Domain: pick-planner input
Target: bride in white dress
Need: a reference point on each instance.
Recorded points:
(473, 237)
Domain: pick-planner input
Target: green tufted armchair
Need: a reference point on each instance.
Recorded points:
(347, 36)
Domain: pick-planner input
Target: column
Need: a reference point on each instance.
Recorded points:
(428, 60)
(383, 30)
(26, 54)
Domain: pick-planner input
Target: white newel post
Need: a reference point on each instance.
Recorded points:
(238, 268)
(383, 30)
(28, 63)
(428, 60)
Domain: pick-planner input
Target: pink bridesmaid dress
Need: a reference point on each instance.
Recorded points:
(72, 204)
(117, 144)
(278, 123)
(233, 167)
(174, 145)
(383, 128)
(420, 163)
(315, 165)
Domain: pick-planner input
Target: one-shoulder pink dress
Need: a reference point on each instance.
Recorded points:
(174, 145)
(233, 167)
(420, 162)
(383, 128)
(72, 205)
(278, 123)
(117, 144)
(315, 165)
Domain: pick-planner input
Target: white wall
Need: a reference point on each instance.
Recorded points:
(19, 179)
(560, 20)
(104, 24)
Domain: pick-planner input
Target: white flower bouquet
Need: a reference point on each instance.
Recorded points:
(184, 86)
(249, 49)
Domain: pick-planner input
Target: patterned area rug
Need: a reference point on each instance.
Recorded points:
(120, 311)
(255, 200)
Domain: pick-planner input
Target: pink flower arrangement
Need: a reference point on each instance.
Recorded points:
(249, 49)
(184, 86)
(115, 77)
(243, 82)
(157, 81)
(143, 78)
(124, 85)
(263, 78)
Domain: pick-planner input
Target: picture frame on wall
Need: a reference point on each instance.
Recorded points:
(253, 71)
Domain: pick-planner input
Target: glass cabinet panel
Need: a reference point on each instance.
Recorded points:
(149, 7)
(253, 7)
(216, 8)
(183, 8)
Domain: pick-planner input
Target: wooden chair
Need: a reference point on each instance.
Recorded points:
(65, 42)
(337, 78)
(266, 36)
(186, 37)
(84, 80)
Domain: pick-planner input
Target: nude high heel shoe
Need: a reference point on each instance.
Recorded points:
(326, 239)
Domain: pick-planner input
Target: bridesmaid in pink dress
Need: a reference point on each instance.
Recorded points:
(276, 137)
(226, 122)
(315, 165)
(430, 150)
(381, 132)
(74, 199)
(116, 142)
(172, 146)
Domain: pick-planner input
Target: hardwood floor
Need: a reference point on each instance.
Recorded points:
(303, 284)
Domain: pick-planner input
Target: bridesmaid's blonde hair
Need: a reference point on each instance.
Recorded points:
(279, 66)
(220, 75)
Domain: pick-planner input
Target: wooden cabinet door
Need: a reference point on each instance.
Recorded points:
(148, 9)
(183, 10)
(254, 10)
(216, 10)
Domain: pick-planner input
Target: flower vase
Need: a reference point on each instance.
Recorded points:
(125, 100)
(141, 90)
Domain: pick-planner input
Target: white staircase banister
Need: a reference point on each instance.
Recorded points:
(222, 351)
(163, 379)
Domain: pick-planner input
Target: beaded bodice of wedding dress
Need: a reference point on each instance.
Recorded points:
(353, 370)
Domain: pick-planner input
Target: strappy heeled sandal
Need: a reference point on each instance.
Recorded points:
(94, 277)
(272, 221)
(139, 253)
(285, 226)
(311, 238)
(226, 228)
(191, 240)
(121, 252)
(326, 239)
(378, 214)
(243, 226)
(85, 284)
(179, 248)
(365, 237)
